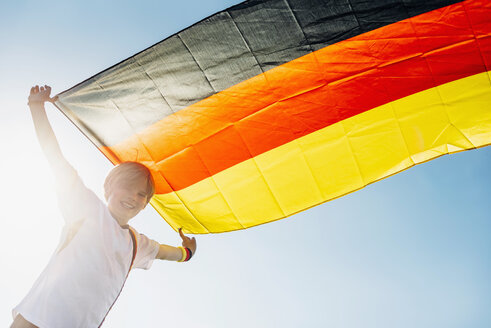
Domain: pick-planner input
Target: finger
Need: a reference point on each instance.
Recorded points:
(36, 89)
(32, 90)
(181, 234)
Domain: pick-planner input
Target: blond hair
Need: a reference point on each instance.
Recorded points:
(129, 171)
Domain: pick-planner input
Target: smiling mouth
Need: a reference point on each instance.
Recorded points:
(127, 205)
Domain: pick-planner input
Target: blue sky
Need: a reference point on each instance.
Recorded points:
(412, 250)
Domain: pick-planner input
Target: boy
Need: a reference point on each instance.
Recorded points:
(98, 248)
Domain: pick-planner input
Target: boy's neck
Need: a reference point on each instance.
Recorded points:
(123, 223)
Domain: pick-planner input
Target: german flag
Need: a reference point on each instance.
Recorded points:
(274, 106)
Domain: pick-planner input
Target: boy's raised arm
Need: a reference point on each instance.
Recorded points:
(47, 139)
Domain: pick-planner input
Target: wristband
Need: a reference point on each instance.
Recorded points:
(186, 254)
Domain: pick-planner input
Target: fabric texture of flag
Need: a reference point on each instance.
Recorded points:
(274, 106)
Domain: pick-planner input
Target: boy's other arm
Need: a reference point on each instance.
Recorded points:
(46, 137)
(171, 253)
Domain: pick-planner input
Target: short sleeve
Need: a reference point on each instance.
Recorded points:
(75, 200)
(146, 252)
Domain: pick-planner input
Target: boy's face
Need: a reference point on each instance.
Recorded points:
(127, 199)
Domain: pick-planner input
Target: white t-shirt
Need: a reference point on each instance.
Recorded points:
(88, 269)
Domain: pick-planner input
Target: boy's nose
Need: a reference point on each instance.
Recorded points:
(131, 197)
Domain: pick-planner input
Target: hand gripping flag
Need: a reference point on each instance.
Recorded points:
(274, 106)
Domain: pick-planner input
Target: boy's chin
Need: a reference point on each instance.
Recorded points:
(128, 216)
(123, 217)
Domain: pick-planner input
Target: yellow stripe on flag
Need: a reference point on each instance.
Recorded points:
(336, 160)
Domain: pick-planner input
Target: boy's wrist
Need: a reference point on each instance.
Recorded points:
(186, 254)
(31, 103)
